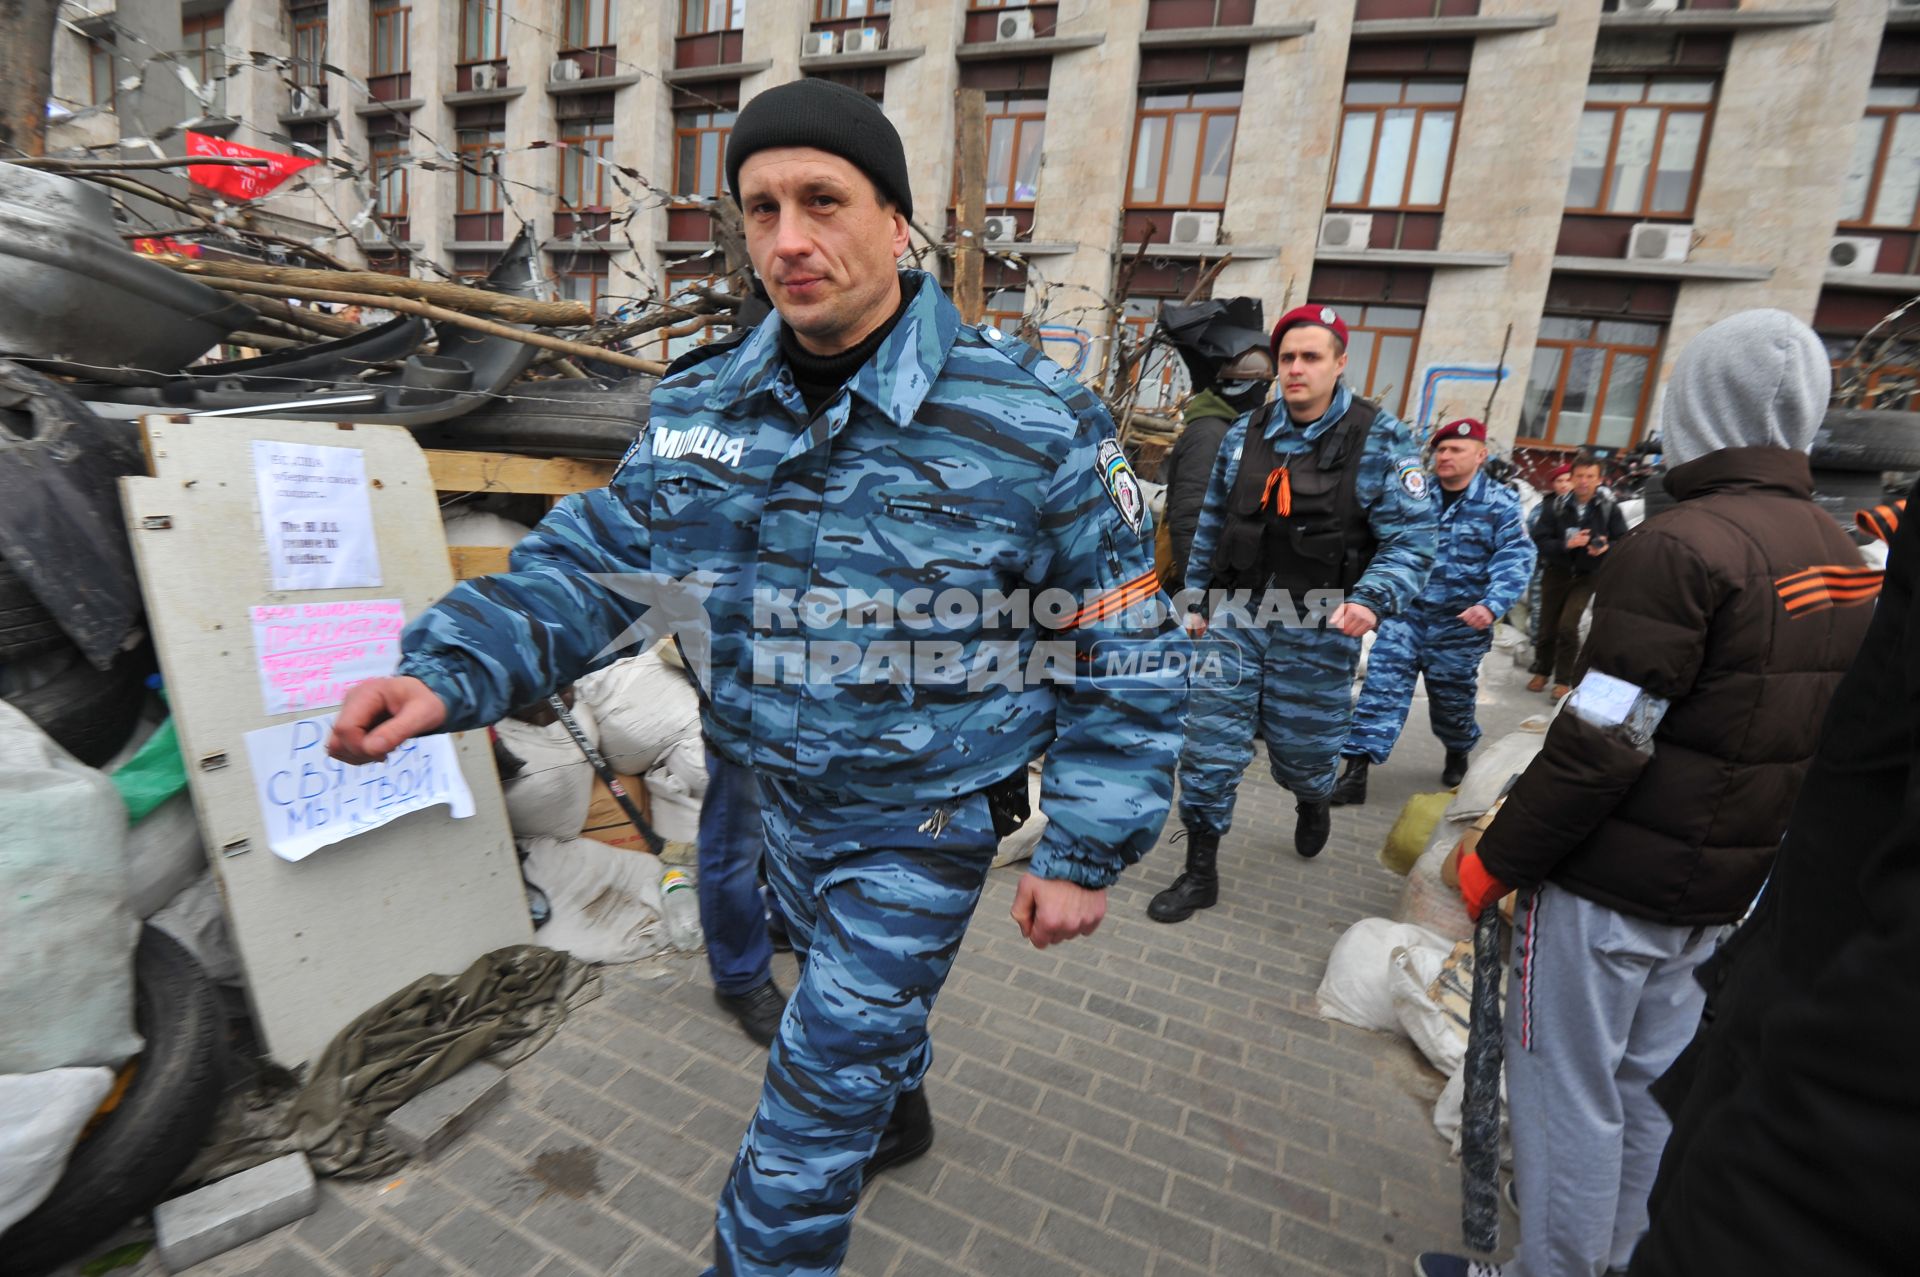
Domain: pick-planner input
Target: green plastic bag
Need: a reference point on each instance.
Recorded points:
(153, 775)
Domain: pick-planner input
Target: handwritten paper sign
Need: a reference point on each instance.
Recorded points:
(310, 801)
(314, 511)
(311, 653)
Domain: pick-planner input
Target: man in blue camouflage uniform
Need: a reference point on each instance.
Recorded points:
(843, 489)
(1484, 561)
(1317, 525)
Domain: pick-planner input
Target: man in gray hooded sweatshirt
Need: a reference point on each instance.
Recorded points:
(1648, 822)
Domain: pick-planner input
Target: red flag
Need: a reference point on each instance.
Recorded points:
(243, 182)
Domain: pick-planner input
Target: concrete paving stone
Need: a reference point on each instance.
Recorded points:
(1108, 1165)
(1293, 1125)
(1127, 1013)
(588, 1112)
(583, 1063)
(1048, 987)
(1134, 968)
(1051, 1071)
(913, 1216)
(332, 1221)
(1177, 1153)
(1336, 1253)
(495, 1180)
(417, 1202)
(595, 1237)
(1156, 1226)
(985, 1199)
(1138, 1102)
(380, 1252)
(651, 1258)
(718, 1128)
(667, 1211)
(1261, 1185)
(966, 1039)
(1231, 1138)
(1087, 1121)
(487, 1246)
(1054, 1184)
(719, 1037)
(648, 1049)
(665, 1152)
(512, 1124)
(1161, 1052)
(1003, 1085)
(1167, 1265)
(871, 1252)
(1092, 1246)
(1220, 1209)
(990, 1252)
(1116, 1066)
(231, 1212)
(654, 1095)
(976, 1151)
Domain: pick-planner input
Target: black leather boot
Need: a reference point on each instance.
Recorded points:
(1352, 788)
(908, 1134)
(1310, 830)
(1197, 888)
(1456, 769)
(758, 1010)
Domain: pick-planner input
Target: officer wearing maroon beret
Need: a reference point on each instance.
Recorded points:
(1484, 561)
(1318, 524)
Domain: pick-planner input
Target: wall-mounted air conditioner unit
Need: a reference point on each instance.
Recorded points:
(1017, 25)
(563, 70)
(1853, 254)
(1649, 6)
(1345, 232)
(485, 77)
(818, 44)
(1002, 229)
(1195, 229)
(305, 101)
(1660, 241)
(865, 40)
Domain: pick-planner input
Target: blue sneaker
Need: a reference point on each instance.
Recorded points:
(1435, 1263)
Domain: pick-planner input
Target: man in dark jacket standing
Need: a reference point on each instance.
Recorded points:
(1224, 346)
(1549, 589)
(1587, 525)
(1795, 1115)
(1650, 819)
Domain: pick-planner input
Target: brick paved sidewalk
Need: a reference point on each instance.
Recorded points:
(1151, 1100)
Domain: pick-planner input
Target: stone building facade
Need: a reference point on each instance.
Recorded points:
(1566, 189)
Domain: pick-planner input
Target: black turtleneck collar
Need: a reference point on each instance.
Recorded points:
(819, 377)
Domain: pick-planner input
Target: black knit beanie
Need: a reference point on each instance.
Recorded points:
(827, 117)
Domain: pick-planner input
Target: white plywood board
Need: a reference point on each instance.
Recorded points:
(324, 939)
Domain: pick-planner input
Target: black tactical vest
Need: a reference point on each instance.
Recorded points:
(1296, 520)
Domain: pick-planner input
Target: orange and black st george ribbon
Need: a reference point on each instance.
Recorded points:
(1816, 589)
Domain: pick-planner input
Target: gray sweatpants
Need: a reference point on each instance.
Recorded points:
(1598, 1006)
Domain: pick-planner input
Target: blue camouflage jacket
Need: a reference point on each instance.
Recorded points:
(1391, 487)
(1485, 553)
(833, 561)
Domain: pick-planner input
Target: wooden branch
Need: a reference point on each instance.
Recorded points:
(204, 215)
(1203, 287)
(311, 320)
(969, 256)
(517, 310)
(440, 314)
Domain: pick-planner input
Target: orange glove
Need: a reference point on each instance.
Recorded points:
(1478, 888)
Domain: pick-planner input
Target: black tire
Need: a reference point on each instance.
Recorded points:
(139, 1149)
(90, 713)
(558, 418)
(1842, 492)
(1867, 441)
(26, 627)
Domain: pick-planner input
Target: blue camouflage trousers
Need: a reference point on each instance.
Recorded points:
(1438, 646)
(877, 898)
(1295, 688)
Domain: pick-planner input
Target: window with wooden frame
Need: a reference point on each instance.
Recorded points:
(480, 139)
(1641, 146)
(102, 78)
(850, 10)
(1890, 382)
(1183, 149)
(1396, 143)
(482, 31)
(698, 17)
(1016, 132)
(583, 284)
(205, 35)
(309, 22)
(1883, 182)
(389, 69)
(587, 24)
(699, 147)
(1590, 383)
(586, 141)
(387, 147)
(1166, 14)
(1006, 309)
(1381, 341)
(1158, 370)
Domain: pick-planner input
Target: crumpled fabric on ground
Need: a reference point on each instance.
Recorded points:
(503, 1007)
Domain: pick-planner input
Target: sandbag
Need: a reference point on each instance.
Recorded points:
(1427, 901)
(645, 707)
(1355, 990)
(1492, 768)
(164, 855)
(467, 526)
(1019, 845)
(606, 900)
(197, 917)
(550, 796)
(66, 932)
(1432, 992)
(675, 789)
(41, 1115)
(1412, 829)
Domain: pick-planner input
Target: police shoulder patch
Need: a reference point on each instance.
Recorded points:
(1413, 479)
(1122, 485)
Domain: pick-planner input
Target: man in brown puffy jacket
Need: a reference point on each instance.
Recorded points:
(1648, 823)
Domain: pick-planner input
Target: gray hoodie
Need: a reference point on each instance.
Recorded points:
(1754, 379)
